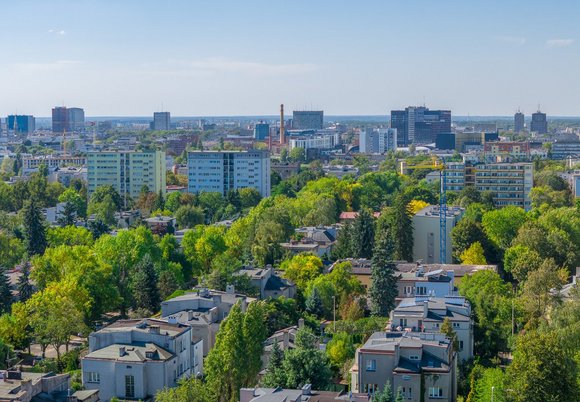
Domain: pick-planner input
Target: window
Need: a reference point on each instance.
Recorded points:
(92, 376)
(403, 322)
(455, 325)
(435, 392)
(371, 365)
(421, 290)
(407, 392)
(371, 388)
(414, 357)
(129, 386)
(460, 345)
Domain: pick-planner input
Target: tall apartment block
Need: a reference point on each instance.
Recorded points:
(221, 171)
(419, 125)
(21, 124)
(539, 124)
(67, 119)
(518, 122)
(261, 131)
(378, 141)
(126, 171)
(161, 121)
(308, 120)
(509, 183)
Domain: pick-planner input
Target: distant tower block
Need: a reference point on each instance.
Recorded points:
(282, 133)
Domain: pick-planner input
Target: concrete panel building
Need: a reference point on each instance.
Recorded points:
(378, 141)
(539, 123)
(126, 171)
(221, 171)
(261, 131)
(419, 125)
(519, 124)
(161, 121)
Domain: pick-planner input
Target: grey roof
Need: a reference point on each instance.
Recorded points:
(143, 325)
(135, 352)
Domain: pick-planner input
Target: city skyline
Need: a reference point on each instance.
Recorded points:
(134, 58)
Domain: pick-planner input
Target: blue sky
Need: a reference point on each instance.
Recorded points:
(207, 58)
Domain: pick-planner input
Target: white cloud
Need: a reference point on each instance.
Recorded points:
(512, 40)
(559, 42)
(60, 32)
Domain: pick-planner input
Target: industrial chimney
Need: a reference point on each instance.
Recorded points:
(282, 133)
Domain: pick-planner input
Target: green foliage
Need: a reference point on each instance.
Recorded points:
(34, 230)
(5, 291)
(144, 286)
(485, 379)
(189, 216)
(202, 245)
(520, 260)
(5, 355)
(12, 250)
(401, 230)
(314, 304)
(69, 236)
(76, 201)
(340, 349)
(281, 313)
(383, 290)
(274, 376)
(188, 389)
(385, 394)
(474, 255)
(501, 225)
(542, 370)
(465, 233)
(447, 330)
(362, 235)
(302, 269)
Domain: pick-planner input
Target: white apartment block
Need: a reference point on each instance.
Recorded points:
(378, 141)
(32, 163)
(327, 141)
(133, 359)
(426, 234)
(221, 171)
(126, 171)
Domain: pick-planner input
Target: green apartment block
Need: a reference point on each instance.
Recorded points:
(126, 171)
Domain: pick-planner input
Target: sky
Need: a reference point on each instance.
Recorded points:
(246, 57)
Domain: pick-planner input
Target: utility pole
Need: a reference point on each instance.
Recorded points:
(334, 314)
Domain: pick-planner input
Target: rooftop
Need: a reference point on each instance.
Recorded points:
(134, 352)
(145, 325)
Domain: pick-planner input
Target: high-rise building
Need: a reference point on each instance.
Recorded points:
(539, 123)
(161, 121)
(308, 120)
(261, 131)
(419, 125)
(76, 119)
(378, 141)
(67, 119)
(24, 124)
(518, 122)
(126, 171)
(221, 171)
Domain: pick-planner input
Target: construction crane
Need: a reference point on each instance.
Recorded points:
(436, 164)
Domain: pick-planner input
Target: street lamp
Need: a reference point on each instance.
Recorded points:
(492, 389)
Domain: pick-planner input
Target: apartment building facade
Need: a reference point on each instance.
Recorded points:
(126, 171)
(32, 163)
(426, 233)
(378, 141)
(422, 365)
(221, 171)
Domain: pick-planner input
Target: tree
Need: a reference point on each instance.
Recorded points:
(23, 286)
(77, 203)
(340, 349)
(103, 193)
(188, 389)
(520, 261)
(400, 396)
(173, 201)
(34, 231)
(501, 225)
(275, 376)
(302, 268)
(159, 203)
(487, 379)
(5, 355)
(249, 197)
(314, 304)
(474, 255)
(97, 228)
(362, 237)
(254, 332)
(541, 289)
(402, 230)
(167, 284)
(12, 250)
(188, 216)
(385, 394)
(465, 233)
(541, 370)
(447, 330)
(5, 292)
(144, 286)
(306, 364)
(69, 236)
(68, 215)
(297, 154)
(383, 290)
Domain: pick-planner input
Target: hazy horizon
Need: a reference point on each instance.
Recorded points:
(231, 58)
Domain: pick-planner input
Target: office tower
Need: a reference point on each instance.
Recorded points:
(419, 125)
(126, 171)
(67, 119)
(308, 120)
(518, 122)
(445, 141)
(21, 124)
(76, 119)
(221, 171)
(59, 119)
(378, 141)
(261, 131)
(161, 121)
(539, 124)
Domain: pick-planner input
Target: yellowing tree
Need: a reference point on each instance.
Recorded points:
(416, 205)
(474, 255)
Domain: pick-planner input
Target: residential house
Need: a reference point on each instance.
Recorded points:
(426, 314)
(422, 365)
(270, 284)
(18, 386)
(133, 359)
(316, 240)
(285, 339)
(203, 310)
